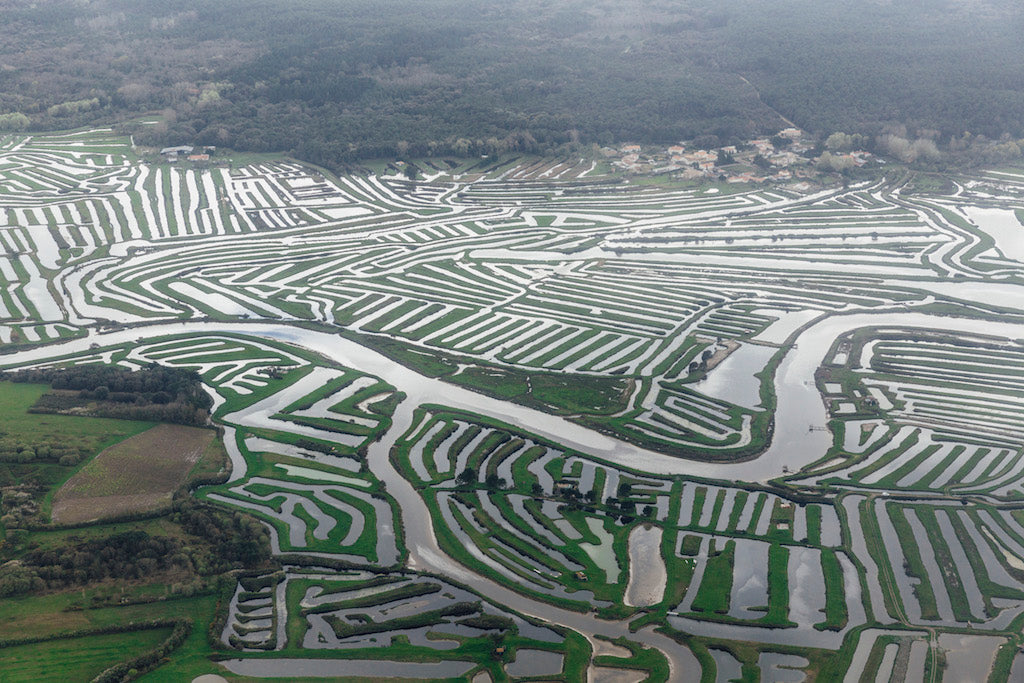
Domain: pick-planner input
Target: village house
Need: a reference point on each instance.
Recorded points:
(860, 157)
(701, 155)
(784, 159)
(171, 153)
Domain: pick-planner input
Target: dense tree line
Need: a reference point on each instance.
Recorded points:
(216, 542)
(337, 82)
(238, 539)
(155, 392)
(128, 555)
(161, 407)
(148, 381)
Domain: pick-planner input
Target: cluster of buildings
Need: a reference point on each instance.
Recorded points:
(780, 158)
(174, 154)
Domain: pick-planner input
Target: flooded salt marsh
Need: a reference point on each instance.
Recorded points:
(791, 259)
(728, 667)
(516, 568)
(891, 543)
(488, 506)
(868, 638)
(969, 658)
(434, 595)
(535, 663)
(328, 668)
(806, 585)
(734, 380)
(603, 554)
(260, 445)
(647, 574)
(799, 403)
(610, 675)
(262, 413)
(782, 668)
(422, 551)
(749, 580)
(518, 503)
(1003, 226)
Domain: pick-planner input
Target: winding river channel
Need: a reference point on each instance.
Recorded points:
(799, 405)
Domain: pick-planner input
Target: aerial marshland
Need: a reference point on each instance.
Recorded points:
(523, 418)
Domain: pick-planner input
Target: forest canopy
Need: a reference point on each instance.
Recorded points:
(334, 82)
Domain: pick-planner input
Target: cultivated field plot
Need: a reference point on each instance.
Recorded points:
(137, 475)
(75, 658)
(845, 363)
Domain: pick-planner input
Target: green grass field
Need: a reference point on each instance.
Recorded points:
(43, 615)
(75, 659)
(45, 435)
(20, 426)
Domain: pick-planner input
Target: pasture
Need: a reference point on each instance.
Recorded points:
(22, 429)
(75, 658)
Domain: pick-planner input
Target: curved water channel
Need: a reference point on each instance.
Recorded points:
(798, 406)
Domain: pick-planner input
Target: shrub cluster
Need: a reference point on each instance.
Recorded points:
(14, 451)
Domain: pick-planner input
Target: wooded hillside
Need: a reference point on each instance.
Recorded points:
(334, 82)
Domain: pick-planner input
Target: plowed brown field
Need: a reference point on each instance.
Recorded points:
(139, 474)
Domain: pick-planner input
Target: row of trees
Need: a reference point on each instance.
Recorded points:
(157, 393)
(214, 542)
(146, 381)
(571, 494)
(923, 146)
(52, 450)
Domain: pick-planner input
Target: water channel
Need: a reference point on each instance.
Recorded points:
(799, 405)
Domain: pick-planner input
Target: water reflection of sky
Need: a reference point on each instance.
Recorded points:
(733, 379)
